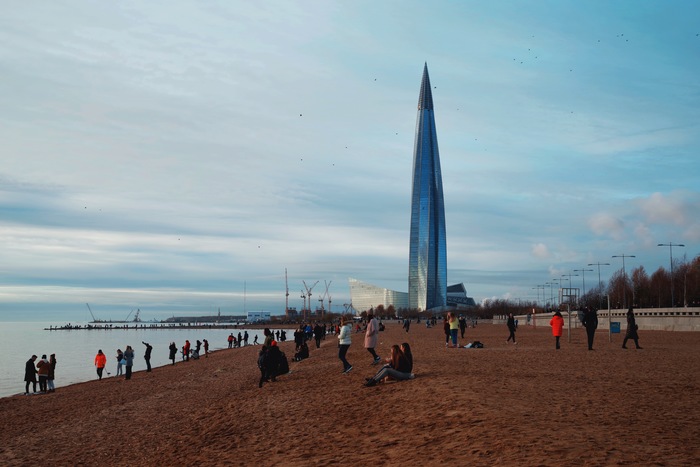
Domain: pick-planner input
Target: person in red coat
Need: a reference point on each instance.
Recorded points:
(557, 323)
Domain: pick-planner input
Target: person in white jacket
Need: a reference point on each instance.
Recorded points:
(344, 342)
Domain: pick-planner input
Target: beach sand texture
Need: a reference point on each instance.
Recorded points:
(500, 405)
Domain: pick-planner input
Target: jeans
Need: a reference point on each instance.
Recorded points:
(119, 369)
(374, 354)
(51, 385)
(342, 350)
(453, 333)
(389, 371)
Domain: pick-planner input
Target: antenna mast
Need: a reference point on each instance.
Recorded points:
(286, 296)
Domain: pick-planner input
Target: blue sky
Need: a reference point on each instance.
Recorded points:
(160, 155)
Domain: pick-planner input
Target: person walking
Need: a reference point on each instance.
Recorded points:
(173, 352)
(147, 355)
(120, 362)
(129, 357)
(30, 375)
(511, 327)
(557, 323)
(631, 330)
(100, 362)
(344, 341)
(590, 322)
(52, 373)
(371, 337)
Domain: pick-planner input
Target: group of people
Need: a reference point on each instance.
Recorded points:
(590, 322)
(45, 369)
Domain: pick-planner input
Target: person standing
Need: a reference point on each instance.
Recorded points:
(198, 346)
(462, 325)
(557, 323)
(511, 327)
(631, 330)
(43, 372)
(454, 328)
(173, 352)
(206, 348)
(245, 338)
(230, 340)
(318, 334)
(186, 350)
(100, 362)
(147, 356)
(52, 373)
(446, 329)
(372, 336)
(129, 357)
(120, 362)
(590, 322)
(344, 340)
(239, 342)
(30, 375)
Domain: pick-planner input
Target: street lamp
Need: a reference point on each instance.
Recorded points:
(624, 275)
(583, 274)
(600, 295)
(558, 285)
(670, 246)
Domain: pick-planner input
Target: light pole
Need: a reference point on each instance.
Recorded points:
(583, 275)
(558, 285)
(600, 295)
(550, 292)
(624, 275)
(670, 246)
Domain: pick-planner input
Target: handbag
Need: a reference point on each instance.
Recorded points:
(122, 361)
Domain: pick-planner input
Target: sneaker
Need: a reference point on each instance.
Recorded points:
(377, 360)
(411, 376)
(347, 370)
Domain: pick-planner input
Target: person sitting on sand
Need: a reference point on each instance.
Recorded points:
(302, 353)
(399, 367)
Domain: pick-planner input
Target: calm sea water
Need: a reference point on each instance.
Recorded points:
(75, 349)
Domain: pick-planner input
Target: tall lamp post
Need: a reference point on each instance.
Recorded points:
(624, 275)
(558, 284)
(670, 246)
(583, 276)
(568, 277)
(600, 295)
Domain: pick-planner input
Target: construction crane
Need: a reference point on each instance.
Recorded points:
(308, 292)
(286, 296)
(323, 297)
(303, 307)
(94, 320)
(136, 316)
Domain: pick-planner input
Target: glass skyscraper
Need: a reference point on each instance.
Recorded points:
(427, 263)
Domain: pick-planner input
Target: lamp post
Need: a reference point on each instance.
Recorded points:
(600, 295)
(550, 293)
(624, 275)
(583, 275)
(558, 285)
(670, 246)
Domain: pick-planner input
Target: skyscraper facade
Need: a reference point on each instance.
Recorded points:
(427, 263)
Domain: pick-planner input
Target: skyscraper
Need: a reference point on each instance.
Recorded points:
(427, 263)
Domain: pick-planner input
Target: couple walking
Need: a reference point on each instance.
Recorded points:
(371, 339)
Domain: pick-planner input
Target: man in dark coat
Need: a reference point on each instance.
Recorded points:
(590, 322)
(631, 330)
(30, 375)
(147, 355)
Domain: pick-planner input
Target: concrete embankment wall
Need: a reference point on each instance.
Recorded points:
(650, 319)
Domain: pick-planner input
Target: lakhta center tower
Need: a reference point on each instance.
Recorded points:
(427, 263)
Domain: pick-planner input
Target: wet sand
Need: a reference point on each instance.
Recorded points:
(501, 405)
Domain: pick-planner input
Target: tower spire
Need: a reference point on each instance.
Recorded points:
(425, 99)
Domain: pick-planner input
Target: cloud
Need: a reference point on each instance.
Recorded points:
(540, 250)
(606, 224)
(660, 208)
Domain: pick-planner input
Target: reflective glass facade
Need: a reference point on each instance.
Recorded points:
(427, 264)
(365, 296)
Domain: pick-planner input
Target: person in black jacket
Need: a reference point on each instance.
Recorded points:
(631, 330)
(511, 327)
(173, 352)
(147, 355)
(590, 322)
(30, 375)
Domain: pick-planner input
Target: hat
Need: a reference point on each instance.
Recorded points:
(273, 343)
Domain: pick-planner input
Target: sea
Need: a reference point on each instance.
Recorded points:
(76, 349)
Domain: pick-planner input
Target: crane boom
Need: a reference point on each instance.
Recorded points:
(90, 310)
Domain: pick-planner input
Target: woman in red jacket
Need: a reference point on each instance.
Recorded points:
(557, 323)
(100, 362)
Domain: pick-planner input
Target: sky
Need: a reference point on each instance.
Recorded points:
(180, 157)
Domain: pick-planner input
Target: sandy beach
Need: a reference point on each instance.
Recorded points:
(524, 404)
